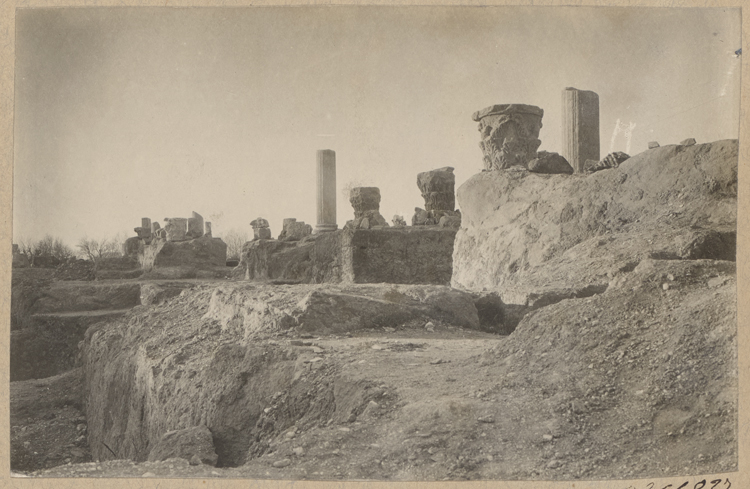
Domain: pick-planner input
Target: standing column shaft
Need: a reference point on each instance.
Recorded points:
(580, 125)
(326, 191)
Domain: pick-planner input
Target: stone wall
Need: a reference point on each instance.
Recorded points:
(407, 255)
(404, 255)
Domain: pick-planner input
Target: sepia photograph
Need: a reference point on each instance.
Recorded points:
(375, 243)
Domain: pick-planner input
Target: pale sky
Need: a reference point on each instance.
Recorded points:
(123, 113)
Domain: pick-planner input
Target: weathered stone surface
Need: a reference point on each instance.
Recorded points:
(580, 127)
(294, 230)
(160, 233)
(155, 227)
(437, 187)
(195, 226)
(185, 443)
(550, 163)
(326, 191)
(364, 199)
(398, 221)
(510, 134)
(421, 218)
(453, 222)
(366, 204)
(176, 228)
(196, 253)
(653, 144)
(528, 234)
(132, 246)
(144, 231)
(262, 233)
(259, 223)
(612, 160)
(410, 255)
(687, 142)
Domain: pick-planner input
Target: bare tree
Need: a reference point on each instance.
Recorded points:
(96, 249)
(234, 239)
(51, 246)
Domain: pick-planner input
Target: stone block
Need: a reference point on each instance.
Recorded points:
(176, 228)
(262, 233)
(410, 255)
(195, 226)
(364, 199)
(551, 163)
(294, 230)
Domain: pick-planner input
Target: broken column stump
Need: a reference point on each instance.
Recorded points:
(580, 127)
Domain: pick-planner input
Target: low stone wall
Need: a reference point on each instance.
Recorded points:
(406, 255)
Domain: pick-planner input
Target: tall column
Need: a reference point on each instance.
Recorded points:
(326, 191)
(580, 123)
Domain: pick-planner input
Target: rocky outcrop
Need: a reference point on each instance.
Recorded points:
(526, 233)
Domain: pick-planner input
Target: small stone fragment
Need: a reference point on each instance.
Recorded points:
(284, 462)
(612, 160)
(687, 142)
(653, 144)
(486, 419)
(398, 221)
(195, 460)
(550, 163)
(547, 437)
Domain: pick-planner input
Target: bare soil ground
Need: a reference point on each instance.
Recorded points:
(639, 381)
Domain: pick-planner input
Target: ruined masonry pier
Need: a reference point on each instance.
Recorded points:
(326, 179)
(580, 127)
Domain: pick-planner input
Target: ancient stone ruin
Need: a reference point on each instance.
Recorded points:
(437, 187)
(366, 203)
(326, 183)
(182, 242)
(510, 139)
(294, 230)
(366, 249)
(580, 127)
(261, 229)
(510, 134)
